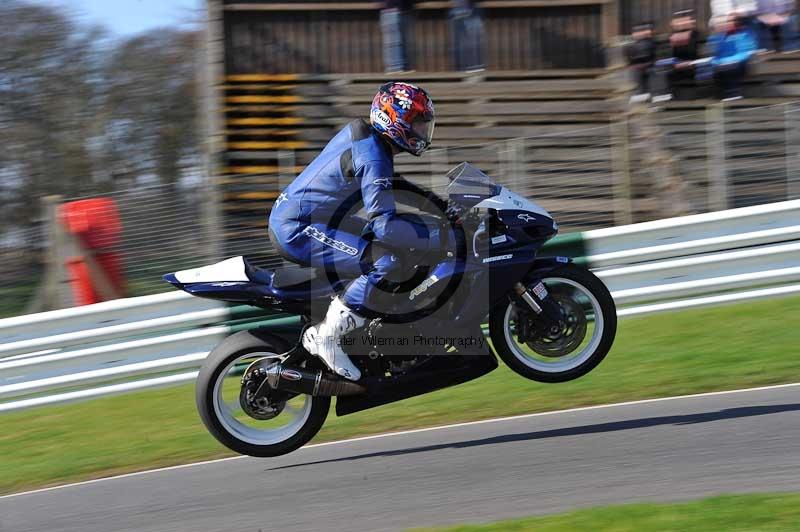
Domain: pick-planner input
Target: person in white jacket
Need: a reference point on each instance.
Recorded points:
(720, 9)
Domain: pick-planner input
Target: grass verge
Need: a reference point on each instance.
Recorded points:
(730, 513)
(656, 356)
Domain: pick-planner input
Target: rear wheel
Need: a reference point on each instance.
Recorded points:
(588, 331)
(257, 428)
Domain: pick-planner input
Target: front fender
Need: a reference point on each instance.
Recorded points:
(542, 266)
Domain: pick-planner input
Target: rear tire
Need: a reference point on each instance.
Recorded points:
(242, 439)
(597, 348)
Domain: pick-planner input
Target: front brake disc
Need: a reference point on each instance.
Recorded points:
(569, 337)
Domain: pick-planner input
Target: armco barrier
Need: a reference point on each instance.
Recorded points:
(160, 340)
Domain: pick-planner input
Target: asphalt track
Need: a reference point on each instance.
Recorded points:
(676, 449)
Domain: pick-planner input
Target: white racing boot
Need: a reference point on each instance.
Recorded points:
(324, 339)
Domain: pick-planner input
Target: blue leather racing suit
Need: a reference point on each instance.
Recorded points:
(314, 222)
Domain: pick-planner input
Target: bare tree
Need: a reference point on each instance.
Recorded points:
(48, 88)
(152, 108)
(81, 113)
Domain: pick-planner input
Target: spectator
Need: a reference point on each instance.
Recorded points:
(775, 24)
(641, 54)
(722, 9)
(684, 47)
(466, 32)
(732, 46)
(397, 27)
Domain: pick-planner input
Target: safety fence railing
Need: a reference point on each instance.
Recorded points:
(159, 340)
(698, 260)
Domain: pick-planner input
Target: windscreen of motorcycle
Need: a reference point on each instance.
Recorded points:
(472, 188)
(469, 186)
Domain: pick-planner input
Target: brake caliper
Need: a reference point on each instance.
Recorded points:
(252, 398)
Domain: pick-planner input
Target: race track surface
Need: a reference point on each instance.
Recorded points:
(669, 450)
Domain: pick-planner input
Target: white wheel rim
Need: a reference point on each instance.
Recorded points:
(227, 408)
(560, 364)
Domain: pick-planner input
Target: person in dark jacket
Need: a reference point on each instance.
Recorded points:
(684, 50)
(733, 48)
(397, 25)
(466, 36)
(312, 222)
(641, 54)
(775, 24)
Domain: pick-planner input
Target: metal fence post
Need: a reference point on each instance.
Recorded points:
(439, 160)
(791, 116)
(512, 164)
(212, 220)
(287, 162)
(211, 77)
(622, 188)
(716, 158)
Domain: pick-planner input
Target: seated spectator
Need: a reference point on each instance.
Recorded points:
(641, 54)
(732, 47)
(775, 25)
(684, 50)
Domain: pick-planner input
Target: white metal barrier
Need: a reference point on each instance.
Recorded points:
(102, 315)
(80, 353)
(688, 235)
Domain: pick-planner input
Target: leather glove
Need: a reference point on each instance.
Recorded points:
(437, 202)
(454, 211)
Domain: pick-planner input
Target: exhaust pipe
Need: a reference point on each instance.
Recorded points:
(316, 383)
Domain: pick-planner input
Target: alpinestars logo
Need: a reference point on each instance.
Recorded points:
(318, 235)
(382, 182)
(526, 217)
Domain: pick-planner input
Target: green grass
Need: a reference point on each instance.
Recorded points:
(655, 356)
(14, 299)
(739, 513)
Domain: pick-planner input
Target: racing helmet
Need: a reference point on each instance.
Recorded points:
(403, 113)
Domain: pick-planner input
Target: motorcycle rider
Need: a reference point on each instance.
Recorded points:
(310, 222)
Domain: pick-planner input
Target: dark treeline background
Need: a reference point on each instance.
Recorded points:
(82, 112)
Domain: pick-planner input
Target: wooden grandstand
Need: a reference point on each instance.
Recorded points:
(562, 120)
(566, 135)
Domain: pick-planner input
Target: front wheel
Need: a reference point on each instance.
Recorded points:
(588, 331)
(265, 428)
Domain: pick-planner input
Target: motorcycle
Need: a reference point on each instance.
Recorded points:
(550, 320)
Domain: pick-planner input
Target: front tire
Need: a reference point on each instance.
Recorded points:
(217, 401)
(584, 342)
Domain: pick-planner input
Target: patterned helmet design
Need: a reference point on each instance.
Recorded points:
(403, 113)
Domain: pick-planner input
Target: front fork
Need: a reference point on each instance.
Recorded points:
(550, 316)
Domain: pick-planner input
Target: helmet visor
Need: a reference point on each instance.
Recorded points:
(423, 129)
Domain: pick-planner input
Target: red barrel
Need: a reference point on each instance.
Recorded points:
(96, 224)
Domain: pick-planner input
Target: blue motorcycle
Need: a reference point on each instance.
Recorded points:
(550, 320)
